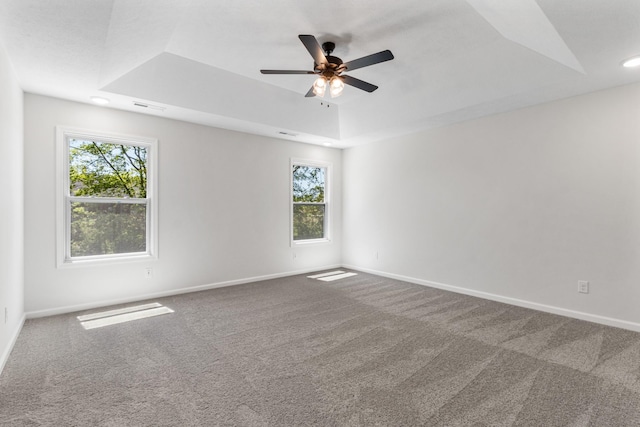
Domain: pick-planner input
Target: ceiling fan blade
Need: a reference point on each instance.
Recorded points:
(365, 61)
(310, 93)
(286, 72)
(314, 48)
(367, 87)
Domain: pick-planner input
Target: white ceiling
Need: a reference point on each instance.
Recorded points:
(200, 59)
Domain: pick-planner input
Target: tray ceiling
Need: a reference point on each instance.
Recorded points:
(199, 60)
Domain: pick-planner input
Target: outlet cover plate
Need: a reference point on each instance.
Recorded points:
(583, 286)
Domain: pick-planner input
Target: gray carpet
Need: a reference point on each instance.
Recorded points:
(363, 350)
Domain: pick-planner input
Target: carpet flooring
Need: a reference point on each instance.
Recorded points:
(360, 351)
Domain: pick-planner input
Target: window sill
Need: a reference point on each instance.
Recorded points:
(100, 261)
(310, 242)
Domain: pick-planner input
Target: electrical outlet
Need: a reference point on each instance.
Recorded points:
(148, 273)
(583, 286)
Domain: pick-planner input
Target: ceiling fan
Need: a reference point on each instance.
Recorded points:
(329, 68)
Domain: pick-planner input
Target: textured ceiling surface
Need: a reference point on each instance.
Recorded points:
(199, 60)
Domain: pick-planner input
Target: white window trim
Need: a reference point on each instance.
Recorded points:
(63, 195)
(327, 201)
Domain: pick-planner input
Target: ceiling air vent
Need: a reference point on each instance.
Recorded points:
(150, 106)
(288, 134)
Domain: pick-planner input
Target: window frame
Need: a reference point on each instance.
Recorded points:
(327, 201)
(64, 199)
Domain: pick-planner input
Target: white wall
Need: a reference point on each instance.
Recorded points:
(223, 209)
(11, 207)
(520, 205)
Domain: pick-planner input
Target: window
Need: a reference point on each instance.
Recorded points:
(106, 201)
(309, 201)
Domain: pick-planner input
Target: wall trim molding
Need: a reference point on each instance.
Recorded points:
(106, 303)
(603, 320)
(11, 343)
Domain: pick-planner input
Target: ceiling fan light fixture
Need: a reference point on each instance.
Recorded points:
(319, 86)
(329, 69)
(336, 86)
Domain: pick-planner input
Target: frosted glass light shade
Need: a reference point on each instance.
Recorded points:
(319, 86)
(336, 87)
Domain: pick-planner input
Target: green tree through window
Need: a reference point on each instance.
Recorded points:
(108, 203)
(309, 204)
(98, 169)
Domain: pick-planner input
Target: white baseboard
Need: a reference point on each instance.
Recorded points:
(609, 321)
(12, 342)
(100, 304)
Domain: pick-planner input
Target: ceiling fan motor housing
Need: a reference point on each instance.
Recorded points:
(334, 64)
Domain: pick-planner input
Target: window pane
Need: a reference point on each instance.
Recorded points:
(308, 184)
(100, 169)
(108, 228)
(308, 222)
